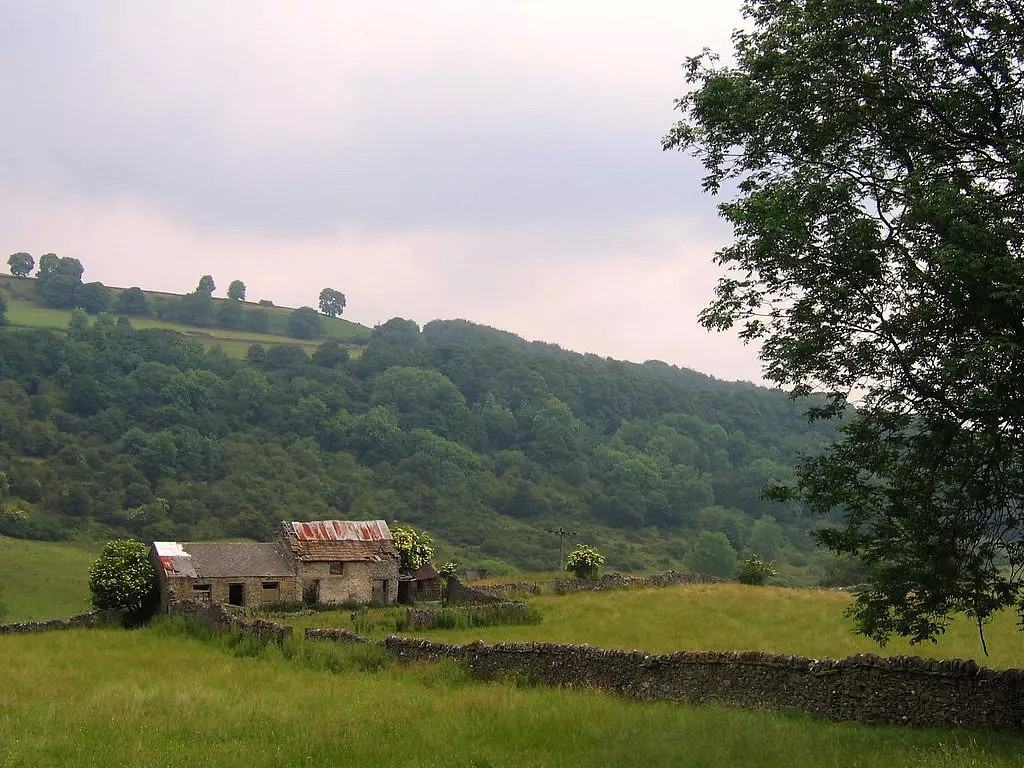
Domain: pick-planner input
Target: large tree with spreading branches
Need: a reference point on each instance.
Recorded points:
(871, 156)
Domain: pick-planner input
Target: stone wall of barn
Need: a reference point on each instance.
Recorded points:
(864, 688)
(255, 591)
(358, 582)
(221, 619)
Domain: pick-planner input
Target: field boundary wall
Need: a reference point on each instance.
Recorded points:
(864, 688)
(92, 619)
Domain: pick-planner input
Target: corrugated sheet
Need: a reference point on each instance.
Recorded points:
(342, 530)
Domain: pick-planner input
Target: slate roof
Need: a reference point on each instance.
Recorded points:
(210, 560)
(340, 540)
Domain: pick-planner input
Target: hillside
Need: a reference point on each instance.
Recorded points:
(128, 426)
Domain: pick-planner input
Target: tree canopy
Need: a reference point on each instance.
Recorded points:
(872, 150)
(236, 290)
(21, 264)
(332, 302)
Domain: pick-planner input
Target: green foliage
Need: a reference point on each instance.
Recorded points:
(713, 554)
(113, 430)
(206, 286)
(21, 264)
(332, 302)
(305, 323)
(93, 298)
(414, 548)
(448, 570)
(59, 281)
(132, 301)
(584, 562)
(236, 290)
(874, 149)
(756, 571)
(123, 579)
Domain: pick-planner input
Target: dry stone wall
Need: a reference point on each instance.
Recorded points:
(863, 688)
(335, 635)
(93, 619)
(463, 594)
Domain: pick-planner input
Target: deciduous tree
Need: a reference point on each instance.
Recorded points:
(21, 264)
(332, 302)
(236, 291)
(872, 151)
(206, 286)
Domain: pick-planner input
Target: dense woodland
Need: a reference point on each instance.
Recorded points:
(479, 437)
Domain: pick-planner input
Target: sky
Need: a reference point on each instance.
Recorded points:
(498, 162)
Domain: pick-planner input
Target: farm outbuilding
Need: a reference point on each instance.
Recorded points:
(323, 562)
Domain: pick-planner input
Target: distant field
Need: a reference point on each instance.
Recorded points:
(44, 580)
(23, 310)
(154, 697)
(728, 617)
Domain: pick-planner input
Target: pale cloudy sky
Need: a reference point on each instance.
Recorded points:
(499, 162)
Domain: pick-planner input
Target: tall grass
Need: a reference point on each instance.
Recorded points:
(157, 697)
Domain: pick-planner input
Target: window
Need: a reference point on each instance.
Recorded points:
(271, 584)
(201, 592)
(337, 568)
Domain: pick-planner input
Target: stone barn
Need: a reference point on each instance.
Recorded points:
(323, 562)
(226, 573)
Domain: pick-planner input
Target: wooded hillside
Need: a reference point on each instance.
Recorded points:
(481, 438)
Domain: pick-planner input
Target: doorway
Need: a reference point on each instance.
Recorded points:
(236, 594)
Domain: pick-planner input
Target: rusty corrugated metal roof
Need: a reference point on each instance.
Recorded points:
(341, 530)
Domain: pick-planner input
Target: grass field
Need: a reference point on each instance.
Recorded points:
(22, 310)
(157, 697)
(44, 580)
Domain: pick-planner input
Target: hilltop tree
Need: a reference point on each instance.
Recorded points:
(236, 291)
(875, 148)
(93, 298)
(133, 301)
(206, 285)
(332, 302)
(21, 264)
(58, 280)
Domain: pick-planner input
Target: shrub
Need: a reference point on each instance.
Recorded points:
(754, 570)
(584, 561)
(414, 548)
(448, 570)
(123, 579)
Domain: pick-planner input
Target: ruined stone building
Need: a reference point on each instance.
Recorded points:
(322, 562)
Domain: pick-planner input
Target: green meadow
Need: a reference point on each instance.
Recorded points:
(44, 579)
(163, 697)
(719, 617)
